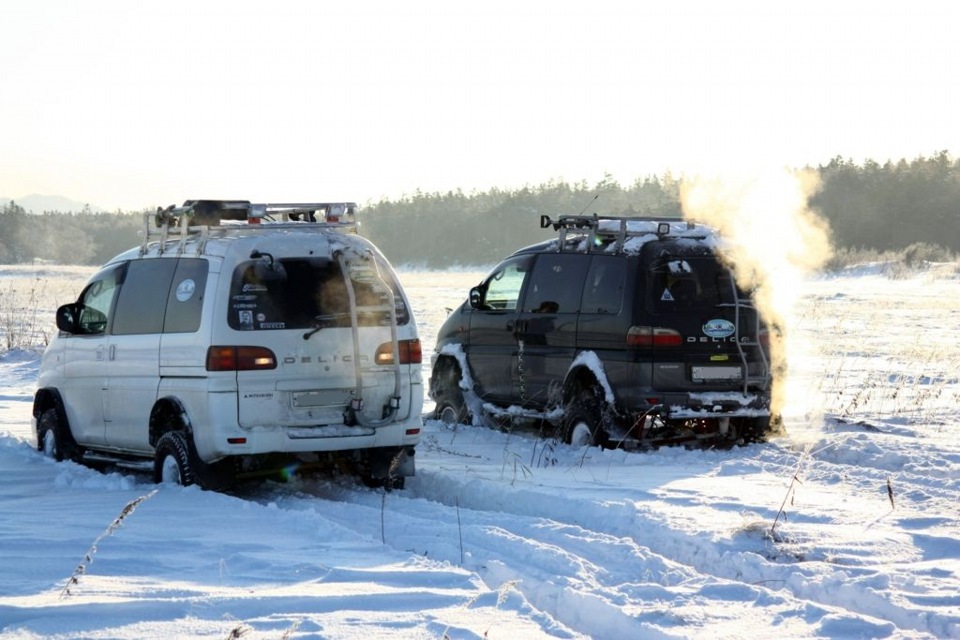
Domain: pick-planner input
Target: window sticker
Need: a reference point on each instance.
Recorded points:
(186, 289)
(719, 328)
(667, 296)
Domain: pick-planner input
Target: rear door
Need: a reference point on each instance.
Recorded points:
(133, 352)
(325, 368)
(546, 328)
(707, 328)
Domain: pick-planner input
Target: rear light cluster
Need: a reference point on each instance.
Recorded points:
(233, 358)
(642, 336)
(409, 351)
(243, 358)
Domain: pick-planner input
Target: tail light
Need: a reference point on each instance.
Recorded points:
(230, 358)
(409, 350)
(641, 336)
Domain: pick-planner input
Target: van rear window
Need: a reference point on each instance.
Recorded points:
(683, 282)
(304, 293)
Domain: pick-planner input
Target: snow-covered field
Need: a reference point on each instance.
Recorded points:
(848, 527)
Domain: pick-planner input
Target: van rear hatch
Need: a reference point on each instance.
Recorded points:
(702, 331)
(335, 330)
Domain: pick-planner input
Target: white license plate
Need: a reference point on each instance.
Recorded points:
(703, 374)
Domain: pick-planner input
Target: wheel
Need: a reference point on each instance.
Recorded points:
(451, 407)
(581, 426)
(582, 420)
(171, 463)
(452, 411)
(54, 439)
(755, 429)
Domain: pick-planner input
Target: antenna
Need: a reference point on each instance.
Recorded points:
(592, 200)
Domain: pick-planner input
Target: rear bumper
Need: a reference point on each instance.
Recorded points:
(730, 404)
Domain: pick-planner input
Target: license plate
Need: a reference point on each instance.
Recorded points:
(713, 374)
(322, 398)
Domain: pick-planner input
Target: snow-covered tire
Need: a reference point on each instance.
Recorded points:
(581, 425)
(451, 407)
(171, 462)
(583, 421)
(54, 439)
(452, 411)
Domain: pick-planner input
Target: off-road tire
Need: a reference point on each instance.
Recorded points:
(582, 423)
(451, 407)
(171, 462)
(54, 439)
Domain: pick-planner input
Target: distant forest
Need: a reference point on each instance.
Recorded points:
(874, 207)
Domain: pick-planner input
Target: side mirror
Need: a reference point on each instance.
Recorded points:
(67, 318)
(476, 297)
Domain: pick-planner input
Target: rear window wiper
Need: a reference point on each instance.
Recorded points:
(323, 321)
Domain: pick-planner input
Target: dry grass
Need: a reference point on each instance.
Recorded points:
(29, 297)
(81, 569)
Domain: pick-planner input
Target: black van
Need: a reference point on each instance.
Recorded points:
(623, 332)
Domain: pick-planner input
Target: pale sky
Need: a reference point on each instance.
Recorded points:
(130, 105)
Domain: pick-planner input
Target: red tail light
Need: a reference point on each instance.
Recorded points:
(228, 358)
(639, 336)
(410, 352)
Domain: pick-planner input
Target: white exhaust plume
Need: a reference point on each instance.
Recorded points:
(772, 239)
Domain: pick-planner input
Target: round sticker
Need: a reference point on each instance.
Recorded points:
(719, 328)
(185, 290)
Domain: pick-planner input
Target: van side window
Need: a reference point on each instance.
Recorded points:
(502, 289)
(555, 284)
(96, 302)
(185, 302)
(143, 296)
(603, 288)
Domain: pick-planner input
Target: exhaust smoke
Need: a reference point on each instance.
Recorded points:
(771, 239)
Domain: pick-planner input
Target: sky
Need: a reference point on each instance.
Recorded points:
(846, 527)
(134, 105)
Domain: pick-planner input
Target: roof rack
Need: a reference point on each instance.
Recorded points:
(619, 228)
(205, 217)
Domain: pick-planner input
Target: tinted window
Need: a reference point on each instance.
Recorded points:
(303, 293)
(185, 302)
(556, 283)
(677, 283)
(603, 289)
(96, 302)
(143, 296)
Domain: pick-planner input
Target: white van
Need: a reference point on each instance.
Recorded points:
(239, 341)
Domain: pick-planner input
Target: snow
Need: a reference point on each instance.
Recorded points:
(847, 527)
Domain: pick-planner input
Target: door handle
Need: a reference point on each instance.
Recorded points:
(517, 327)
(113, 352)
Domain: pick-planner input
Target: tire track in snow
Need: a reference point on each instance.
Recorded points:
(748, 556)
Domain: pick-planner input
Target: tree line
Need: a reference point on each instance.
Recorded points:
(888, 207)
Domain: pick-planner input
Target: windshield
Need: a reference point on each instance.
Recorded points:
(304, 293)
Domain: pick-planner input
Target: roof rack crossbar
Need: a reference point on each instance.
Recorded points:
(617, 228)
(206, 217)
